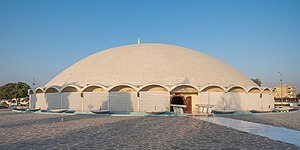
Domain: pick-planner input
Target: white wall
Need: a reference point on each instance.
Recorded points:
(149, 101)
(93, 101)
(41, 101)
(123, 101)
(268, 101)
(253, 101)
(235, 101)
(72, 100)
(32, 100)
(222, 100)
(53, 100)
(213, 98)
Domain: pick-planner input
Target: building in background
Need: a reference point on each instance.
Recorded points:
(285, 94)
(288, 91)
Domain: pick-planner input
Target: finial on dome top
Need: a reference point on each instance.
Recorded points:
(139, 40)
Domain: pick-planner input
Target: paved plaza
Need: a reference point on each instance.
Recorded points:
(46, 131)
(289, 120)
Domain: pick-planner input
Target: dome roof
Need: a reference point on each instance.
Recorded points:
(141, 64)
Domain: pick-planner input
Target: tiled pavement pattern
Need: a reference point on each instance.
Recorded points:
(38, 131)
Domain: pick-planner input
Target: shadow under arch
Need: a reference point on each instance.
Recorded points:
(122, 88)
(39, 90)
(70, 88)
(30, 91)
(254, 89)
(184, 88)
(153, 87)
(94, 88)
(212, 88)
(95, 97)
(236, 88)
(267, 91)
(123, 98)
(153, 97)
(52, 89)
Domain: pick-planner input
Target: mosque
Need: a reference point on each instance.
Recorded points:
(150, 77)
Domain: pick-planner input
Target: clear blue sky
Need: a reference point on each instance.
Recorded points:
(40, 38)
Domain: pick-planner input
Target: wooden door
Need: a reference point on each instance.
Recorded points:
(188, 103)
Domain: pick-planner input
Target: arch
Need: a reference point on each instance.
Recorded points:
(154, 88)
(236, 88)
(123, 88)
(94, 88)
(39, 90)
(185, 88)
(70, 88)
(212, 88)
(52, 89)
(254, 89)
(267, 91)
(30, 91)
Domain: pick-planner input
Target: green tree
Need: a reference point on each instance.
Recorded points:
(2, 93)
(14, 90)
(257, 81)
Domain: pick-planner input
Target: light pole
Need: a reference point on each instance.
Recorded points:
(281, 87)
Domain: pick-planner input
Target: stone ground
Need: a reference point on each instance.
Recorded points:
(289, 120)
(46, 131)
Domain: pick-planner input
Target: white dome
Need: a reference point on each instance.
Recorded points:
(141, 64)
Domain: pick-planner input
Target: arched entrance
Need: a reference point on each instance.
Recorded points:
(189, 95)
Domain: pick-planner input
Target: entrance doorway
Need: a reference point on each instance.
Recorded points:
(176, 100)
(188, 103)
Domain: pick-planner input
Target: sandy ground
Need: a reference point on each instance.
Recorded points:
(289, 120)
(44, 131)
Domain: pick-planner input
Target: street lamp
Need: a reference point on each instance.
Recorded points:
(281, 87)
